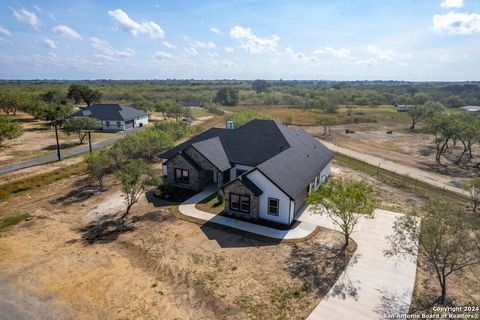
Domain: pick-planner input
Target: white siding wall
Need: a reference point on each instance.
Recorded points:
(271, 191)
(143, 120)
(233, 170)
(113, 125)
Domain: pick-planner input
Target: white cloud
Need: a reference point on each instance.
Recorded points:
(4, 33)
(49, 43)
(161, 55)
(228, 63)
(451, 3)
(104, 47)
(191, 51)
(67, 32)
(381, 54)
(129, 25)
(335, 53)
(253, 44)
(294, 56)
(52, 16)
(456, 23)
(38, 8)
(215, 30)
(367, 62)
(169, 45)
(208, 45)
(228, 49)
(26, 16)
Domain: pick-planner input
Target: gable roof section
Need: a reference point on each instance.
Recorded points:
(293, 169)
(247, 183)
(113, 112)
(212, 149)
(250, 144)
(187, 158)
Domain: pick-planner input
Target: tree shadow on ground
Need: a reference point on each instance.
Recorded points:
(82, 191)
(393, 303)
(63, 146)
(227, 237)
(104, 230)
(36, 129)
(319, 266)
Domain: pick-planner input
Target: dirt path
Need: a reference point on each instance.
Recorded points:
(433, 179)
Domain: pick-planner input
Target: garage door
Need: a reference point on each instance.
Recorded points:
(129, 124)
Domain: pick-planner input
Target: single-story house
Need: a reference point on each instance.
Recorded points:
(471, 108)
(265, 169)
(403, 107)
(114, 117)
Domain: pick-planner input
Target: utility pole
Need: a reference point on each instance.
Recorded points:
(58, 144)
(90, 141)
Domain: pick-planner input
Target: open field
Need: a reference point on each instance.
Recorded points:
(38, 140)
(160, 267)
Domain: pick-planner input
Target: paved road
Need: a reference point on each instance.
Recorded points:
(430, 178)
(64, 154)
(372, 285)
(304, 229)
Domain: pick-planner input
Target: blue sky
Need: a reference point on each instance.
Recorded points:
(241, 39)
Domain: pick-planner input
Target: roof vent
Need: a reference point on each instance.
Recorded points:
(229, 125)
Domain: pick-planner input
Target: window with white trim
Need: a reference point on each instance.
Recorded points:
(273, 206)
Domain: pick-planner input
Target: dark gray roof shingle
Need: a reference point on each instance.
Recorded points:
(112, 112)
(289, 158)
(212, 149)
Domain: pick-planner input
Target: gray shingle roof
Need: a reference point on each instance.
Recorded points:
(293, 169)
(212, 149)
(290, 159)
(112, 112)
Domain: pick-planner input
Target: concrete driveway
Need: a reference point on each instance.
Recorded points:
(372, 285)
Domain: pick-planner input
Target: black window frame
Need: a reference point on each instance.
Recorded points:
(107, 123)
(241, 202)
(277, 207)
(182, 176)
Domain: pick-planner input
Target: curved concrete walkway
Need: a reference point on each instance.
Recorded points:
(303, 230)
(372, 285)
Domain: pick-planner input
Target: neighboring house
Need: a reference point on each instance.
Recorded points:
(471, 108)
(114, 117)
(403, 107)
(264, 168)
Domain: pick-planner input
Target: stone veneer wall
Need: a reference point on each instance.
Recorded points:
(204, 163)
(239, 188)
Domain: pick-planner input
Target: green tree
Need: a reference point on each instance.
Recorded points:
(9, 129)
(454, 102)
(467, 130)
(420, 112)
(227, 96)
(443, 237)
(443, 128)
(10, 102)
(327, 122)
(54, 112)
(151, 143)
(136, 177)
(99, 164)
(78, 92)
(420, 98)
(54, 96)
(344, 202)
(473, 187)
(81, 126)
(260, 86)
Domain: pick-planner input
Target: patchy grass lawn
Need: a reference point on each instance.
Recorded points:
(198, 112)
(162, 268)
(11, 221)
(211, 205)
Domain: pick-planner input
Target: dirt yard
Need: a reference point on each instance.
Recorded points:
(39, 140)
(404, 147)
(69, 262)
